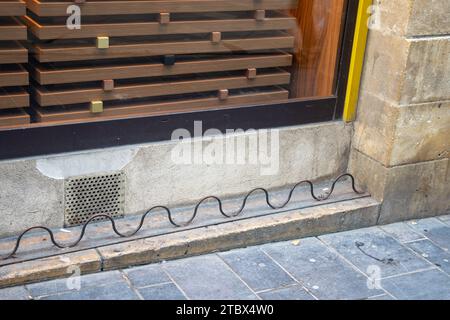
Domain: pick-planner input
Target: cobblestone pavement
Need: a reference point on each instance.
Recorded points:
(408, 260)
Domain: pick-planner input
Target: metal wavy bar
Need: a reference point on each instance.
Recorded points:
(194, 215)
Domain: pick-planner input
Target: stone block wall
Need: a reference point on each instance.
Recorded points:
(400, 150)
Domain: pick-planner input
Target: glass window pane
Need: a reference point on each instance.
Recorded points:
(104, 60)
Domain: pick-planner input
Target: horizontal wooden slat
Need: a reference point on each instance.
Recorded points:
(13, 52)
(57, 75)
(58, 8)
(50, 53)
(12, 8)
(13, 76)
(45, 97)
(148, 109)
(45, 32)
(12, 29)
(16, 99)
(12, 118)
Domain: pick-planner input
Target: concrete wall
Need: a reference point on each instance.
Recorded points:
(401, 146)
(32, 190)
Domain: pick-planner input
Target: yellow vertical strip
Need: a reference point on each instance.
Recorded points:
(356, 64)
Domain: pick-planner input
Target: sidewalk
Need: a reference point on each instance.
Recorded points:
(401, 261)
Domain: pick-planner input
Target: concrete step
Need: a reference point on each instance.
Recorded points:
(38, 260)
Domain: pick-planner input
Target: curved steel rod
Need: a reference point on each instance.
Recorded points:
(194, 215)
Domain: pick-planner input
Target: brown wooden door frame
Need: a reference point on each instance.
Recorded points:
(318, 39)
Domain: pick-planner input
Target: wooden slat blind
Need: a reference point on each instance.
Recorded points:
(13, 76)
(162, 56)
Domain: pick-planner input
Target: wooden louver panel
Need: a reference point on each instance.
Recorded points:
(150, 56)
(13, 76)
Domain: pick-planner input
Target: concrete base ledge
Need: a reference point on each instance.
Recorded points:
(307, 222)
(87, 261)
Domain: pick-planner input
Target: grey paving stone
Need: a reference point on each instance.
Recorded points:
(432, 253)
(290, 293)
(207, 277)
(14, 293)
(397, 259)
(114, 291)
(402, 232)
(167, 291)
(424, 285)
(147, 275)
(434, 229)
(382, 297)
(321, 271)
(62, 285)
(257, 269)
(326, 274)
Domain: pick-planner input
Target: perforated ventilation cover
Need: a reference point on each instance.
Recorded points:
(90, 195)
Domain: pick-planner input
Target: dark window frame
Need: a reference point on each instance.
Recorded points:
(52, 139)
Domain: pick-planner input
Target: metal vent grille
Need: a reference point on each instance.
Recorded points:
(91, 195)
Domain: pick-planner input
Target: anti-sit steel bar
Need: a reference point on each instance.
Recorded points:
(194, 215)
